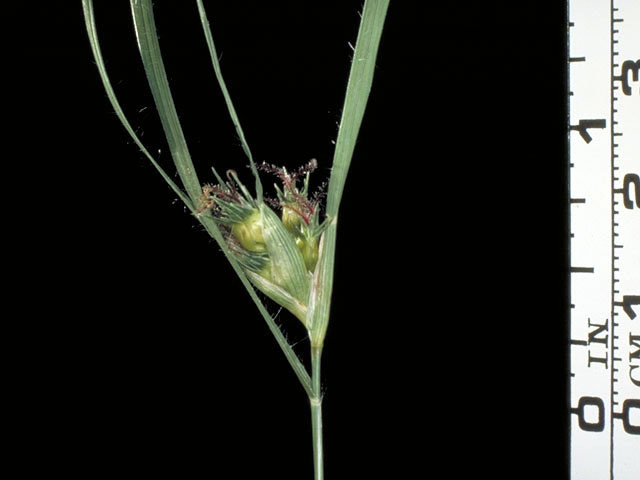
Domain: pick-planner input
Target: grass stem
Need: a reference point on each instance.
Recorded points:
(316, 414)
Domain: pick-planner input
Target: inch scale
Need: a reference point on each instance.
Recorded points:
(604, 186)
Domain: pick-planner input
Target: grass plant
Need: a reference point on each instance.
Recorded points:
(284, 250)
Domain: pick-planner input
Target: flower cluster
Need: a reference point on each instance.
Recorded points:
(278, 253)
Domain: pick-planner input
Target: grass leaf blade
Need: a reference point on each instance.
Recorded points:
(89, 18)
(149, 47)
(225, 92)
(358, 88)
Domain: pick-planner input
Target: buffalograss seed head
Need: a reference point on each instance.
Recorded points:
(300, 214)
(278, 253)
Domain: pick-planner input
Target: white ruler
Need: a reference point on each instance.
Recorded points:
(604, 185)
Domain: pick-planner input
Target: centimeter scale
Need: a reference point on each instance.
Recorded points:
(604, 186)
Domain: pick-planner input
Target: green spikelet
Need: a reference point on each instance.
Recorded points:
(278, 253)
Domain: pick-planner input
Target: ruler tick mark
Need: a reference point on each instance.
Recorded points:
(581, 270)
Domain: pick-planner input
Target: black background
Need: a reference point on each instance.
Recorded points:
(138, 351)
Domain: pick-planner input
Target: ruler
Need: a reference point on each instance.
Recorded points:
(604, 185)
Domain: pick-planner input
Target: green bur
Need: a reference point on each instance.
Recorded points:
(286, 281)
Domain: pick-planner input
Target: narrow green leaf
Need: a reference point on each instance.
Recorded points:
(223, 86)
(89, 18)
(149, 47)
(358, 88)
